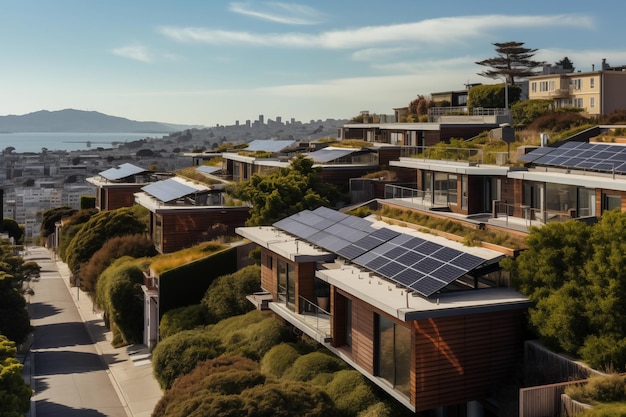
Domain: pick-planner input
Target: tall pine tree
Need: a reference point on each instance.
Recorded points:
(513, 61)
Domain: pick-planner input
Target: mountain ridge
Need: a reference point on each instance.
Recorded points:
(81, 121)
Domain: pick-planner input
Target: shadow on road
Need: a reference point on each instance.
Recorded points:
(48, 408)
(42, 310)
(68, 362)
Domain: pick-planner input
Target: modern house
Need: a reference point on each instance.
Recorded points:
(573, 180)
(597, 92)
(184, 213)
(426, 319)
(116, 187)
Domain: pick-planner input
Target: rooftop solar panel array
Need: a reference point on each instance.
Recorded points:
(168, 190)
(418, 264)
(121, 171)
(581, 155)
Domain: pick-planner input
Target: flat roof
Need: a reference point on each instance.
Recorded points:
(398, 302)
(454, 167)
(589, 181)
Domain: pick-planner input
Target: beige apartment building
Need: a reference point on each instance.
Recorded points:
(597, 92)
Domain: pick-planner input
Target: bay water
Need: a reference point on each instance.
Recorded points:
(67, 141)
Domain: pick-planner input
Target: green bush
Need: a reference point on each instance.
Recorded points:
(233, 386)
(306, 367)
(599, 389)
(380, 409)
(278, 359)
(182, 318)
(226, 297)
(101, 227)
(606, 410)
(178, 354)
(120, 296)
(351, 392)
(251, 335)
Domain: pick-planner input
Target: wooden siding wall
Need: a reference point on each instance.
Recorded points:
(362, 333)
(268, 272)
(407, 175)
(341, 176)
(118, 197)
(459, 359)
(183, 229)
(601, 191)
(387, 154)
(305, 280)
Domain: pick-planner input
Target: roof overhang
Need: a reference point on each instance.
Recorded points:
(588, 181)
(464, 168)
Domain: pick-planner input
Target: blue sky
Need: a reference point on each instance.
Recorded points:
(213, 62)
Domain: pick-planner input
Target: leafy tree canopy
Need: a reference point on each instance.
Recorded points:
(513, 60)
(13, 229)
(565, 63)
(101, 227)
(575, 274)
(52, 216)
(14, 320)
(284, 192)
(226, 296)
(14, 392)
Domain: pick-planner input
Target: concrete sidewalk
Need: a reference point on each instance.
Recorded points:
(129, 367)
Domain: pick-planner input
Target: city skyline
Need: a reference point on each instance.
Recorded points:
(214, 63)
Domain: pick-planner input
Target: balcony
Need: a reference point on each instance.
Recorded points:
(311, 319)
(560, 93)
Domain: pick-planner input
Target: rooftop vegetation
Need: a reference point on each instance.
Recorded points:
(190, 173)
(172, 260)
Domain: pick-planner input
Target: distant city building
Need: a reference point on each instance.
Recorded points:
(261, 119)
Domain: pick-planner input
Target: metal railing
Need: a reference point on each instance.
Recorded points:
(314, 316)
(529, 215)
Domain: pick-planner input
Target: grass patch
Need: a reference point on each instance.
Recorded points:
(175, 259)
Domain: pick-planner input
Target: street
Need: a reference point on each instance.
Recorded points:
(70, 377)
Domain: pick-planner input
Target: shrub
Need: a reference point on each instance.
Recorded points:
(136, 246)
(278, 359)
(350, 392)
(178, 354)
(182, 318)
(120, 296)
(380, 409)
(226, 297)
(251, 335)
(599, 389)
(306, 367)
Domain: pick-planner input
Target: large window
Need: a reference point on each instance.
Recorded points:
(577, 83)
(586, 202)
(611, 201)
(286, 284)
(445, 188)
(394, 354)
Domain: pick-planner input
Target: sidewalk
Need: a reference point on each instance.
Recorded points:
(129, 368)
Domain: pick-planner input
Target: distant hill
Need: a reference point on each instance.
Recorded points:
(71, 120)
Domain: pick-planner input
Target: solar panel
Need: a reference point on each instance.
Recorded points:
(205, 169)
(467, 261)
(168, 190)
(419, 264)
(534, 154)
(580, 155)
(121, 171)
(269, 145)
(427, 286)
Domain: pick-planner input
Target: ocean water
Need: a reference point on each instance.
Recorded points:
(35, 142)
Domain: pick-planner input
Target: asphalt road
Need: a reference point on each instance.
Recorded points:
(70, 377)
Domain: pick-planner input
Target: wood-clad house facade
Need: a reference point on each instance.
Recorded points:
(438, 352)
(184, 213)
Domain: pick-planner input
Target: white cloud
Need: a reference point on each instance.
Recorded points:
(286, 13)
(136, 52)
(434, 32)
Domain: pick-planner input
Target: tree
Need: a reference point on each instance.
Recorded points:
(575, 275)
(14, 392)
(101, 227)
(14, 320)
(119, 295)
(52, 216)
(418, 108)
(513, 61)
(566, 64)
(136, 246)
(284, 192)
(492, 96)
(13, 229)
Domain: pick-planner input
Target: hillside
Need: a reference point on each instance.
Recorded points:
(70, 120)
